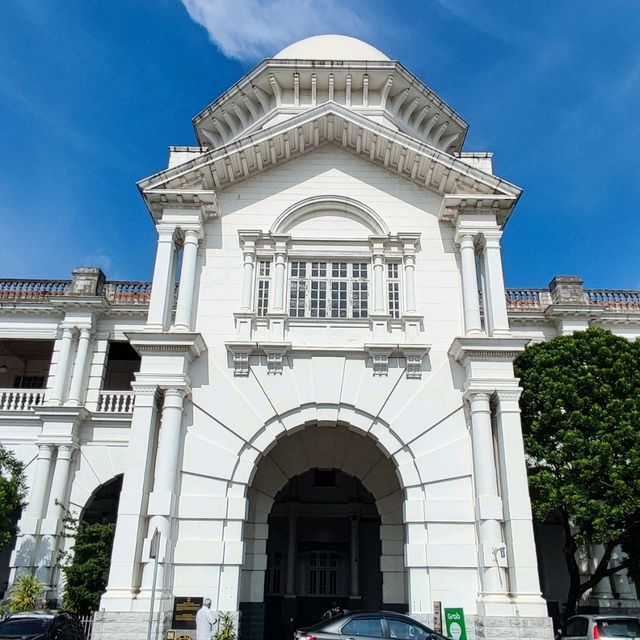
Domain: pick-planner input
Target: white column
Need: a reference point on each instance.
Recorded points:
(79, 367)
(62, 368)
(124, 573)
(163, 279)
(184, 306)
(603, 588)
(57, 500)
(488, 503)
(409, 260)
(470, 295)
(291, 557)
(38, 493)
(379, 301)
(518, 527)
(355, 573)
(281, 276)
(162, 501)
(247, 279)
(496, 304)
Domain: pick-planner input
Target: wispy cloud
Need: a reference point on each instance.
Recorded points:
(249, 30)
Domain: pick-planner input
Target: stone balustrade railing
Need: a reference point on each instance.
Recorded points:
(540, 299)
(116, 402)
(33, 289)
(525, 299)
(20, 399)
(127, 292)
(614, 299)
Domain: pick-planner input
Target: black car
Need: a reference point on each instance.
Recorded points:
(41, 625)
(371, 625)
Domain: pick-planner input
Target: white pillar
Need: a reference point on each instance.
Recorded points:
(355, 573)
(470, 295)
(496, 304)
(379, 301)
(184, 307)
(281, 276)
(163, 280)
(409, 260)
(162, 501)
(620, 579)
(291, 557)
(57, 501)
(124, 573)
(38, 493)
(79, 367)
(603, 588)
(518, 527)
(488, 503)
(247, 280)
(62, 369)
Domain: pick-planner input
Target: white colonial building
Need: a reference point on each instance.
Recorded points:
(325, 407)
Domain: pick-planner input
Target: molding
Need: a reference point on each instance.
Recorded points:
(147, 343)
(379, 354)
(474, 204)
(414, 353)
(275, 352)
(240, 352)
(483, 348)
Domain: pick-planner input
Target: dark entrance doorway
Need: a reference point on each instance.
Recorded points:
(323, 546)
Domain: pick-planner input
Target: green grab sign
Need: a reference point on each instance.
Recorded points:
(456, 628)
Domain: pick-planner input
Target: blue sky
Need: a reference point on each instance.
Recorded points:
(92, 93)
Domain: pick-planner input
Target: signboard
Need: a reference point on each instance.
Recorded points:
(437, 616)
(184, 612)
(456, 628)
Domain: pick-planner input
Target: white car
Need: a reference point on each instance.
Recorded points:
(596, 626)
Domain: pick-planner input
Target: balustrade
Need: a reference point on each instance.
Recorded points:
(527, 299)
(116, 402)
(20, 399)
(124, 292)
(615, 299)
(33, 289)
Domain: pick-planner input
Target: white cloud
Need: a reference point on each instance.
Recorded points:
(250, 30)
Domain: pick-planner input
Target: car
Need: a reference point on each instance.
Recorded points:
(41, 625)
(595, 626)
(368, 624)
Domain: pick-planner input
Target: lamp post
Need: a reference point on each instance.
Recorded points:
(154, 549)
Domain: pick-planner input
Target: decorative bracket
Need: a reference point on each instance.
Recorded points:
(275, 352)
(379, 354)
(240, 352)
(414, 354)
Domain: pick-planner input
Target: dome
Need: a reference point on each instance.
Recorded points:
(331, 47)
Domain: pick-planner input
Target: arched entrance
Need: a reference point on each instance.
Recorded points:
(324, 524)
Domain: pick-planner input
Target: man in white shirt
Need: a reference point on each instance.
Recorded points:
(205, 621)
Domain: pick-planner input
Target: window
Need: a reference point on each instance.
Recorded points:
(28, 382)
(371, 627)
(329, 289)
(273, 574)
(393, 289)
(264, 278)
(405, 631)
(577, 627)
(323, 572)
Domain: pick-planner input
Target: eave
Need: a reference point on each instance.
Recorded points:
(328, 123)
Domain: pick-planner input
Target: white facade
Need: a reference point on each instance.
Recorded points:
(341, 307)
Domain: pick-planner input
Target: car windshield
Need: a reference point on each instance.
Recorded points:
(24, 626)
(619, 628)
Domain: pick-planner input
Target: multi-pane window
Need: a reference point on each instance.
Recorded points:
(329, 289)
(264, 278)
(273, 574)
(393, 289)
(323, 571)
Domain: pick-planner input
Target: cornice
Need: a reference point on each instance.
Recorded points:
(148, 343)
(465, 349)
(331, 123)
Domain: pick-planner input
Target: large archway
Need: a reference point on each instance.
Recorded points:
(324, 523)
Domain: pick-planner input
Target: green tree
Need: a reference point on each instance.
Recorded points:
(86, 566)
(581, 425)
(12, 493)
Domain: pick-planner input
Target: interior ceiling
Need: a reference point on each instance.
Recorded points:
(27, 349)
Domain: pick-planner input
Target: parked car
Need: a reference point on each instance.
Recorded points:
(41, 625)
(595, 626)
(369, 625)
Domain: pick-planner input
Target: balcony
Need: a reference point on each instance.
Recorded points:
(20, 399)
(116, 402)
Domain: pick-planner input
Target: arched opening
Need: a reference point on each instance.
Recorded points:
(324, 524)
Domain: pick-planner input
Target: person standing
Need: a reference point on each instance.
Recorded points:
(205, 621)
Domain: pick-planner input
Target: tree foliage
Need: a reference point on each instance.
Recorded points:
(581, 426)
(12, 493)
(86, 566)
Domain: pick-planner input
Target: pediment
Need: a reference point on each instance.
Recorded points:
(398, 153)
(279, 89)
